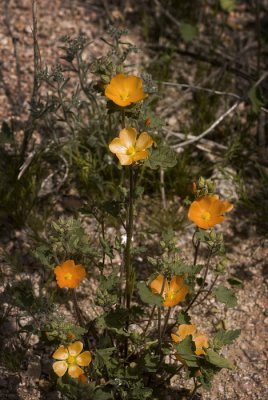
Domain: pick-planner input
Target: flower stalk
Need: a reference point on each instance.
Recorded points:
(129, 231)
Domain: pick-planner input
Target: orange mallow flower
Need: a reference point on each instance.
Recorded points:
(208, 211)
(173, 292)
(71, 359)
(200, 340)
(69, 275)
(128, 148)
(124, 90)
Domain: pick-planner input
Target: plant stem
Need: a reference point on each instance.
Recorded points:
(209, 290)
(166, 322)
(129, 237)
(127, 255)
(196, 387)
(196, 246)
(77, 310)
(203, 283)
(150, 320)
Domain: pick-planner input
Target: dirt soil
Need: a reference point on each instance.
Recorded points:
(247, 251)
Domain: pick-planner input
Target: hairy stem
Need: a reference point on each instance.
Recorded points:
(203, 283)
(77, 310)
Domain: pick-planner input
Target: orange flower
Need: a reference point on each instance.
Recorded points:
(124, 90)
(173, 292)
(69, 275)
(71, 359)
(208, 211)
(128, 148)
(200, 340)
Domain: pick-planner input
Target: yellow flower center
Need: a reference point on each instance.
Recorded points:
(71, 360)
(124, 96)
(68, 276)
(206, 216)
(171, 295)
(131, 151)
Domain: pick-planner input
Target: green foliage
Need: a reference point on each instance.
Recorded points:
(147, 296)
(128, 352)
(255, 100)
(217, 360)
(228, 5)
(225, 295)
(163, 156)
(67, 240)
(222, 338)
(183, 318)
(188, 32)
(186, 351)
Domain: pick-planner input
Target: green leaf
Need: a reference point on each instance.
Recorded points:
(225, 295)
(102, 356)
(6, 135)
(116, 318)
(256, 102)
(188, 31)
(151, 362)
(183, 318)
(223, 337)
(233, 281)
(228, 5)
(163, 156)
(147, 296)
(217, 360)
(112, 207)
(186, 351)
(110, 281)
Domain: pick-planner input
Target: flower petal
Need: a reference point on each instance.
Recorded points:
(176, 283)
(176, 338)
(135, 87)
(171, 301)
(60, 367)
(141, 155)
(194, 211)
(84, 359)
(74, 371)
(116, 146)
(201, 341)
(61, 353)
(144, 141)
(124, 159)
(128, 137)
(75, 348)
(186, 329)
(157, 284)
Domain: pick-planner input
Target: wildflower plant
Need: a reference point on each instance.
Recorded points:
(141, 333)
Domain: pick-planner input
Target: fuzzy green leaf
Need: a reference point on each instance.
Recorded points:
(163, 156)
(256, 103)
(147, 296)
(223, 337)
(227, 5)
(225, 295)
(217, 360)
(188, 32)
(183, 318)
(186, 351)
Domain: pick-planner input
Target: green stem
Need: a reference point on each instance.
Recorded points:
(150, 320)
(129, 237)
(127, 253)
(209, 290)
(166, 322)
(203, 283)
(77, 310)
